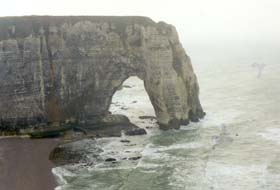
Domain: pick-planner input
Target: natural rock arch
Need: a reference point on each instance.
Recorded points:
(132, 100)
(56, 68)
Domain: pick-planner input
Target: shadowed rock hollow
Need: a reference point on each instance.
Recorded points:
(56, 68)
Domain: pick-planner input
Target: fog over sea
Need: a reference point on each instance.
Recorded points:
(235, 147)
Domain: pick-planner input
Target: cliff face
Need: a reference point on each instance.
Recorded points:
(56, 68)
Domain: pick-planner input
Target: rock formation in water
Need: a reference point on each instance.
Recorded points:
(53, 69)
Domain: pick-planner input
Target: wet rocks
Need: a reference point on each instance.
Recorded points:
(64, 156)
(106, 120)
(110, 160)
(126, 86)
(147, 117)
(124, 108)
(132, 158)
(110, 128)
(173, 124)
(138, 131)
(75, 152)
(185, 122)
(135, 158)
(114, 130)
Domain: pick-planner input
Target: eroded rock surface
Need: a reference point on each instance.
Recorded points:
(57, 68)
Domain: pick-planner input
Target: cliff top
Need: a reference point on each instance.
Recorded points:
(32, 24)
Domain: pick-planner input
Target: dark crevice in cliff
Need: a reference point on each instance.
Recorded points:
(50, 56)
(177, 62)
(20, 44)
(55, 113)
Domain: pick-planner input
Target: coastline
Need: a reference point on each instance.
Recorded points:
(25, 164)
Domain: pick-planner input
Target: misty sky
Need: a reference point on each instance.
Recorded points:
(196, 20)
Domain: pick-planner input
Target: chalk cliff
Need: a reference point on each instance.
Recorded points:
(57, 68)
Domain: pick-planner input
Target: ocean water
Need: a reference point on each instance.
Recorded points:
(235, 147)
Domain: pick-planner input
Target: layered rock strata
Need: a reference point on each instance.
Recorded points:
(54, 69)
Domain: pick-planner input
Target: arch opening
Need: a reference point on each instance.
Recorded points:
(132, 100)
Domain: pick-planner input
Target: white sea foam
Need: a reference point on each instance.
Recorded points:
(193, 163)
(271, 134)
(59, 173)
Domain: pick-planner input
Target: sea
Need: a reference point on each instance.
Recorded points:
(235, 147)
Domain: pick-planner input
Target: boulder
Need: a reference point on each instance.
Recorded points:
(137, 131)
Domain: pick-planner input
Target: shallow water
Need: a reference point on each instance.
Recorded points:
(236, 146)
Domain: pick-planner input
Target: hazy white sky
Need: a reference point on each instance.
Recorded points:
(196, 20)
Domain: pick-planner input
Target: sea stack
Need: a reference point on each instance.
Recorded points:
(54, 69)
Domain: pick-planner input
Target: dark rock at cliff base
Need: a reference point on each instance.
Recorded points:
(110, 160)
(106, 120)
(135, 158)
(56, 68)
(138, 131)
(147, 117)
(185, 122)
(115, 131)
(193, 117)
(109, 126)
(172, 124)
(75, 152)
(74, 146)
(64, 156)
(126, 86)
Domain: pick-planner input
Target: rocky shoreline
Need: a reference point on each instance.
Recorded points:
(64, 153)
(57, 151)
(99, 126)
(109, 126)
